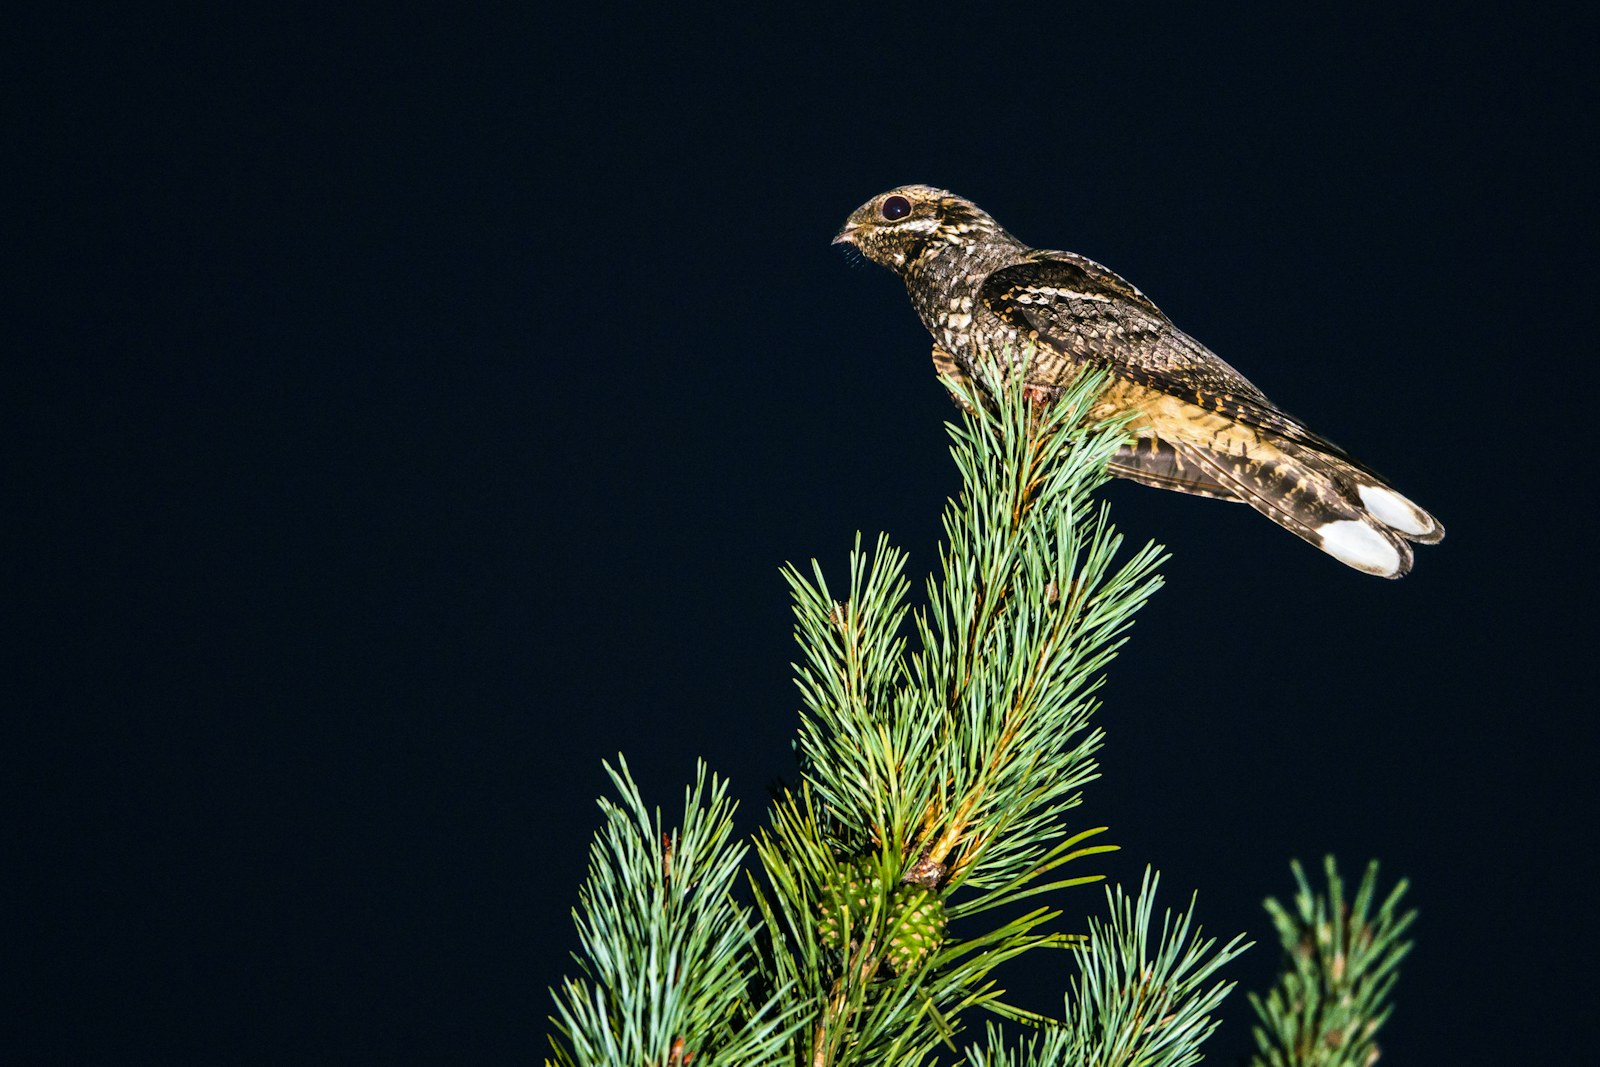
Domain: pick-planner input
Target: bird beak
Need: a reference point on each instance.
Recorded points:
(846, 236)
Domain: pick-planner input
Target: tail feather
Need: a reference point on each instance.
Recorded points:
(1336, 506)
(1382, 503)
(1152, 461)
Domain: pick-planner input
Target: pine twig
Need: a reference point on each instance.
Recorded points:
(1142, 997)
(1341, 963)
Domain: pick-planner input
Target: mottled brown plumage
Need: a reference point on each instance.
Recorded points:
(1199, 426)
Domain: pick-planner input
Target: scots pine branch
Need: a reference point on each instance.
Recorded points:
(965, 753)
(1341, 960)
(1142, 997)
(951, 767)
(942, 749)
(666, 962)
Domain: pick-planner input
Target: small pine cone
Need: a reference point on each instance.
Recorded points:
(830, 930)
(916, 927)
(847, 900)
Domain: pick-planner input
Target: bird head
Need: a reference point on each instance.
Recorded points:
(897, 227)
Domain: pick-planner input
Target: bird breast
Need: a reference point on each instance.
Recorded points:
(945, 283)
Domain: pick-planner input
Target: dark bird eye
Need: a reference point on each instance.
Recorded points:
(896, 207)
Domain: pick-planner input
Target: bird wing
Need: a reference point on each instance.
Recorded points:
(1080, 312)
(1200, 426)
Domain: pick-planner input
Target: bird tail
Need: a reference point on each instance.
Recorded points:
(1335, 504)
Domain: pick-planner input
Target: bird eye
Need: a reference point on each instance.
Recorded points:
(895, 207)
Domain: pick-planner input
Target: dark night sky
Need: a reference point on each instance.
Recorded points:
(415, 411)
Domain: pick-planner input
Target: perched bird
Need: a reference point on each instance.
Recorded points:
(1198, 425)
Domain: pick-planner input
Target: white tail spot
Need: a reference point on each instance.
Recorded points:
(1392, 509)
(1359, 545)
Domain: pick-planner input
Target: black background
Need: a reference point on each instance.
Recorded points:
(414, 410)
